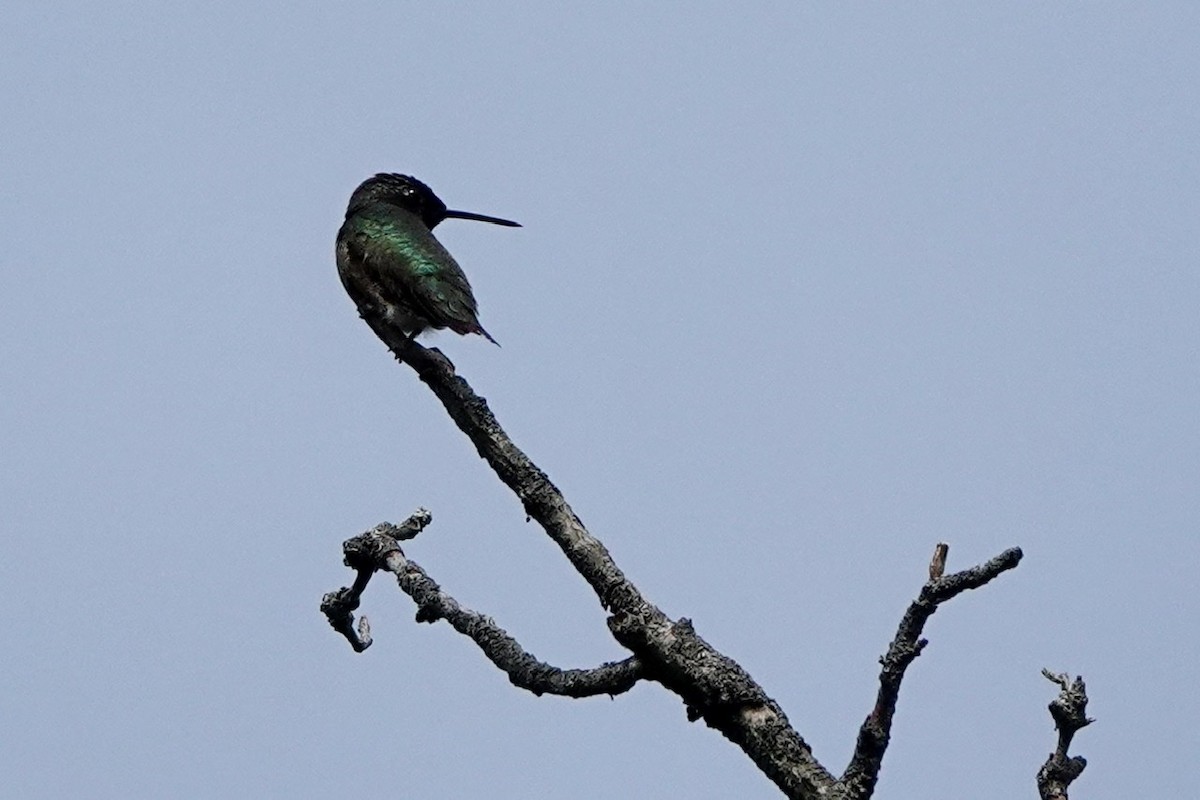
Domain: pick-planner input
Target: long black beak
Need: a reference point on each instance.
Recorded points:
(482, 218)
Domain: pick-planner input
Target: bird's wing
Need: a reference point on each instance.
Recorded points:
(403, 262)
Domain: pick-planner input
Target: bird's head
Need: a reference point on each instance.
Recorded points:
(410, 194)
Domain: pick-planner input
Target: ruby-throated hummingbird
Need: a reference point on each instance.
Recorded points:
(393, 267)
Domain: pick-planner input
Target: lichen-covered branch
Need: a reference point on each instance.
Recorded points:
(1069, 711)
(542, 500)
(713, 687)
(523, 669)
(339, 606)
(379, 549)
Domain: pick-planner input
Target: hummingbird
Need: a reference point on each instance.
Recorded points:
(393, 267)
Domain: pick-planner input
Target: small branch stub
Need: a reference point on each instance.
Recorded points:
(418, 521)
(937, 566)
(1069, 713)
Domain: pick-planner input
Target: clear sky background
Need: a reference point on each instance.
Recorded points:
(802, 290)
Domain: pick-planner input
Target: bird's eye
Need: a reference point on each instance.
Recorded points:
(408, 191)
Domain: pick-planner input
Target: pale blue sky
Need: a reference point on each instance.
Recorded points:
(802, 290)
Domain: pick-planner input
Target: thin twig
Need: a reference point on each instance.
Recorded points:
(860, 777)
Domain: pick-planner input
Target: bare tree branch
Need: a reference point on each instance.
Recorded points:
(713, 686)
(524, 670)
(1069, 713)
(858, 781)
(379, 549)
(339, 606)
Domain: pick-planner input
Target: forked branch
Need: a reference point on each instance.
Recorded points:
(713, 687)
(858, 781)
